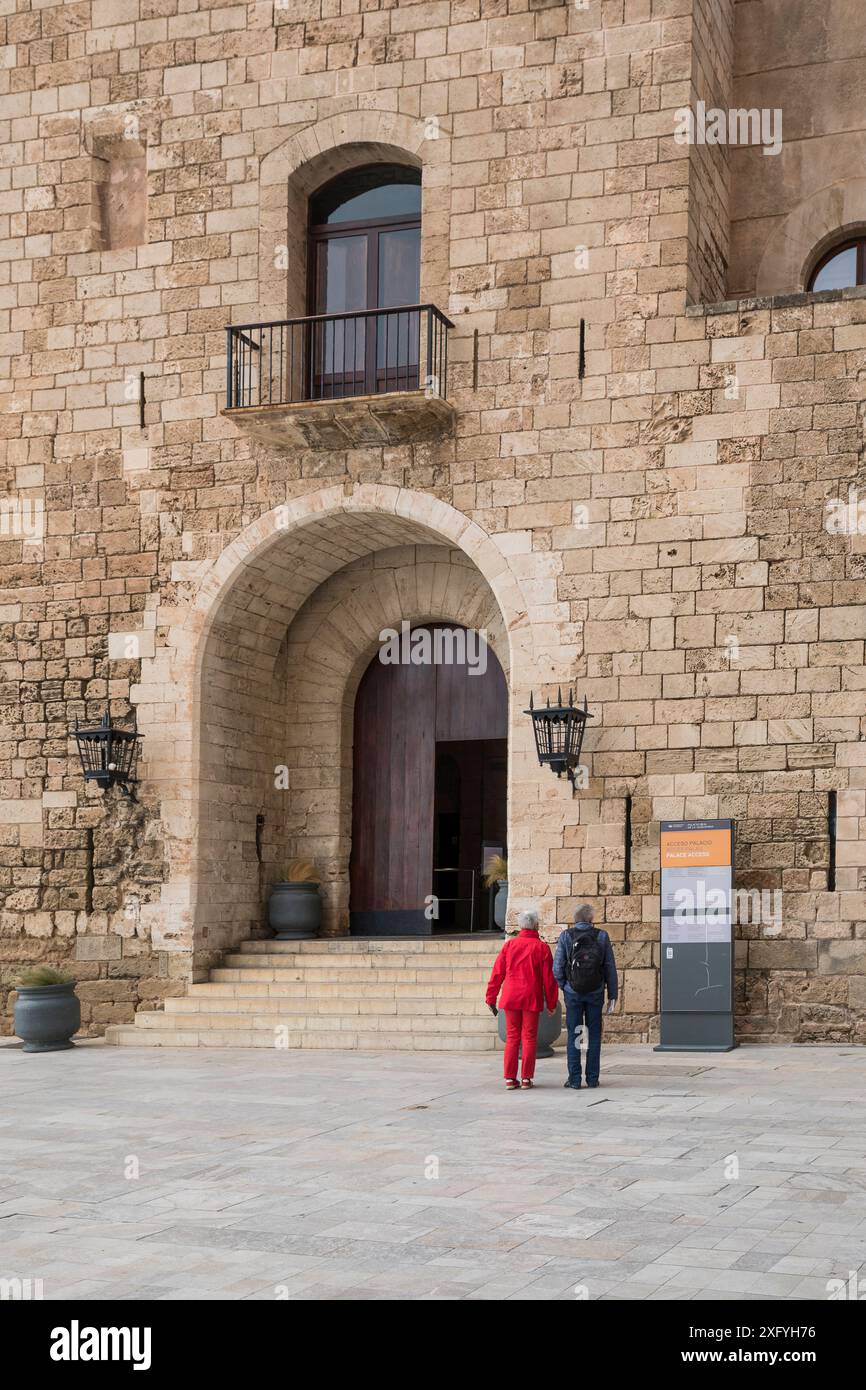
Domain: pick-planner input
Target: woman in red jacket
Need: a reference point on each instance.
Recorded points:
(523, 970)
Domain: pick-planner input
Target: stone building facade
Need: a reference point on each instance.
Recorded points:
(648, 414)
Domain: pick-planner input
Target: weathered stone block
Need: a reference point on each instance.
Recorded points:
(842, 957)
(98, 947)
(639, 991)
(783, 955)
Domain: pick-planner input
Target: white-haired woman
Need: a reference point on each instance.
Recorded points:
(523, 971)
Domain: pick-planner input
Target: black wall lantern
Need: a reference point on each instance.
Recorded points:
(108, 755)
(558, 733)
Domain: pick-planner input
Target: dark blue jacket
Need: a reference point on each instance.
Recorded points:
(560, 961)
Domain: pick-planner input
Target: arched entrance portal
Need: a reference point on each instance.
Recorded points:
(429, 783)
(258, 675)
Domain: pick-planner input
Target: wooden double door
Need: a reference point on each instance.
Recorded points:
(429, 793)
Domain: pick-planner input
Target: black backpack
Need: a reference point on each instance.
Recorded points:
(585, 969)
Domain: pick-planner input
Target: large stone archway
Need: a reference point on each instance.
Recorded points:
(213, 702)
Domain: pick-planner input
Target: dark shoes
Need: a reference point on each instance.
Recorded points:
(571, 1085)
(593, 1085)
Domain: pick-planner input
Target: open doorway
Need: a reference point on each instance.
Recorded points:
(469, 817)
(429, 792)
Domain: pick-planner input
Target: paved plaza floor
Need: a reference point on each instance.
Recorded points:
(162, 1174)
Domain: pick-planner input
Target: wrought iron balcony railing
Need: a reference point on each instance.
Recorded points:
(334, 356)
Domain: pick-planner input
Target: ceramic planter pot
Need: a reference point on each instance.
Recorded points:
(46, 1016)
(549, 1029)
(500, 903)
(295, 911)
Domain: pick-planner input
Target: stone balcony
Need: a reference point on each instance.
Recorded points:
(337, 381)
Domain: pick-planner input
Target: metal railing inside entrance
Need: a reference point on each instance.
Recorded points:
(441, 899)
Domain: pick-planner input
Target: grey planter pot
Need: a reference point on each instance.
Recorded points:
(46, 1016)
(500, 903)
(295, 911)
(549, 1029)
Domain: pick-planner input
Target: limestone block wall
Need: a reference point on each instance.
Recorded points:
(655, 531)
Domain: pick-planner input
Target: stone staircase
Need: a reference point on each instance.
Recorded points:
(391, 994)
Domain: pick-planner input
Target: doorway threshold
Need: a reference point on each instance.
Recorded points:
(429, 936)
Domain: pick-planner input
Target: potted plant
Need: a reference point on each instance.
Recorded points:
(549, 1029)
(496, 874)
(294, 907)
(47, 1010)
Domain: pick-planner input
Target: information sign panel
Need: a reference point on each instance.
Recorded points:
(697, 936)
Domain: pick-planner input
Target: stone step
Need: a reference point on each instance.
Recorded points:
(359, 964)
(352, 945)
(300, 1004)
(128, 1035)
(408, 995)
(315, 990)
(327, 1022)
(352, 978)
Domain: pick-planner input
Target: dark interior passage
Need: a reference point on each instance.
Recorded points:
(469, 809)
(429, 791)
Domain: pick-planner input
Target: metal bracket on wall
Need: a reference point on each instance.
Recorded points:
(626, 887)
(831, 835)
(91, 878)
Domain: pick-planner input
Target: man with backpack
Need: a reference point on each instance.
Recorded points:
(583, 966)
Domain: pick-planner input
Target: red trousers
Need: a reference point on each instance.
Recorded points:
(521, 1027)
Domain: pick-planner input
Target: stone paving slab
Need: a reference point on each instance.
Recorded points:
(149, 1174)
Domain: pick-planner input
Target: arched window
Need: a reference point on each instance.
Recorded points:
(842, 267)
(365, 254)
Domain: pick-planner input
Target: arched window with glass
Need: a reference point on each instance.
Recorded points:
(842, 267)
(364, 282)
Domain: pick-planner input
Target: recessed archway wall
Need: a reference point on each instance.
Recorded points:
(214, 703)
(329, 647)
